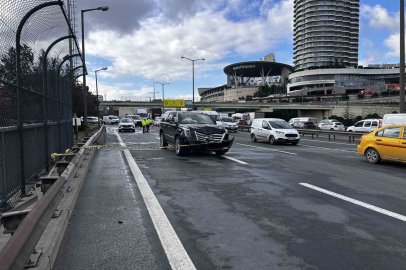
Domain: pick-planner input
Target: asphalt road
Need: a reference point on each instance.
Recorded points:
(256, 210)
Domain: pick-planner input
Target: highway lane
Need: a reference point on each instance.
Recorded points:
(257, 215)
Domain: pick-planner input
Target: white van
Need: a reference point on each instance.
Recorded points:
(299, 122)
(367, 125)
(274, 130)
(111, 119)
(213, 115)
(394, 119)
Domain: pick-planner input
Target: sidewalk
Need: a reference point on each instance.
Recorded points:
(110, 227)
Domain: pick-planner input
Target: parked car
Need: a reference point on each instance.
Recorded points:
(242, 122)
(367, 125)
(230, 124)
(111, 119)
(92, 120)
(274, 130)
(394, 119)
(309, 125)
(191, 131)
(137, 119)
(387, 143)
(157, 120)
(213, 115)
(126, 124)
(299, 122)
(331, 124)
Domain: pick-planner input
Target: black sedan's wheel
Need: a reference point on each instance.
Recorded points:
(220, 152)
(372, 156)
(180, 151)
(162, 141)
(272, 140)
(253, 138)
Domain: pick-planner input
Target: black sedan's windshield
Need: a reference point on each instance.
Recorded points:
(280, 125)
(194, 118)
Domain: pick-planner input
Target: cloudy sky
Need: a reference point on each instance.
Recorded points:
(142, 41)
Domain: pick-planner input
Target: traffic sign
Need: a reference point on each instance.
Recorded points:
(174, 103)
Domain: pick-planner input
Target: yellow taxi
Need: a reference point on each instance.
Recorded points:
(384, 143)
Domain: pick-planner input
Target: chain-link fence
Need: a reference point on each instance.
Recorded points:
(37, 52)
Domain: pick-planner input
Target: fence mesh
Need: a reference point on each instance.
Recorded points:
(35, 91)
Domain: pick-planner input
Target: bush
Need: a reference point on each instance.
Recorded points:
(373, 116)
(360, 96)
(375, 95)
(346, 97)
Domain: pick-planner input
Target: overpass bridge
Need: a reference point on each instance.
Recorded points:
(319, 110)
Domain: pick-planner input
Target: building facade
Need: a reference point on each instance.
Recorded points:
(341, 81)
(248, 79)
(326, 33)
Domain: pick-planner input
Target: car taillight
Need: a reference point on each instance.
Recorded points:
(335, 125)
(360, 139)
(380, 124)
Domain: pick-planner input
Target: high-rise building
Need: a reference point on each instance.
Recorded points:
(326, 33)
(270, 57)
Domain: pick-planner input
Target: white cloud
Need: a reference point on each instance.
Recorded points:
(380, 18)
(393, 43)
(154, 51)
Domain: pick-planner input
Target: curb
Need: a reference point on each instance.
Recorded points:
(51, 239)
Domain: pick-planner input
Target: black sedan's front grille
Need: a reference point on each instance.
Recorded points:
(291, 135)
(216, 137)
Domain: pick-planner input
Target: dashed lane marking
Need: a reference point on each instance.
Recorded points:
(348, 199)
(273, 150)
(310, 140)
(176, 253)
(236, 160)
(313, 146)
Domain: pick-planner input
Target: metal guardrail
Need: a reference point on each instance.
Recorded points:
(351, 135)
(18, 249)
(316, 132)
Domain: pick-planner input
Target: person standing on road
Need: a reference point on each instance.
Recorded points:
(148, 122)
(144, 125)
(124, 117)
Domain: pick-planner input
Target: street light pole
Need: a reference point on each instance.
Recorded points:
(402, 58)
(97, 94)
(104, 8)
(193, 76)
(163, 96)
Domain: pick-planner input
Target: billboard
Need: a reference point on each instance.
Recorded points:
(174, 103)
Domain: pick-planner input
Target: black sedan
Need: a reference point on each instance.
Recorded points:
(192, 131)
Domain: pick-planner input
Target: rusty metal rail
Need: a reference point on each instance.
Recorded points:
(21, 245)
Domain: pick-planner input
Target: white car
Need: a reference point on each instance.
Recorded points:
(126, 124)
(332, 126)
(229, 123)
(157, 120)
(111, 119)
(274, 130)
(367, 125)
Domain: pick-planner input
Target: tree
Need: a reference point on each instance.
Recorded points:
(77, 99)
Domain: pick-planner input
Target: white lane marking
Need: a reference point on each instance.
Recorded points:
(349, 144)
(140, 143)
(236, 160)
(176, 253)
(348, 199)
(158, 138)
(328, 148)
(267, 149)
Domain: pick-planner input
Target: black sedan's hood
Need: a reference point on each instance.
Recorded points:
(205, 129)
